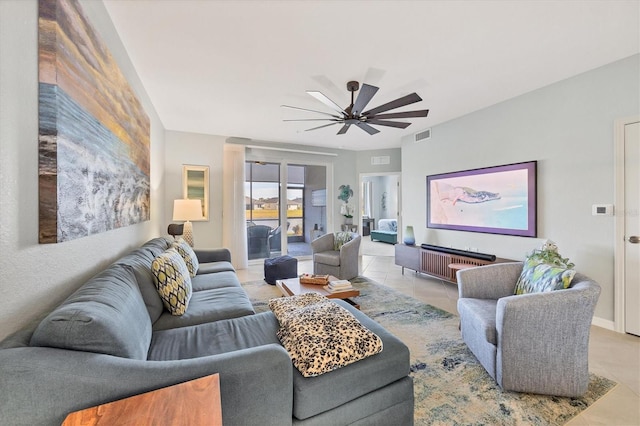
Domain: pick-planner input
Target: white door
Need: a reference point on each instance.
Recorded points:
(632, 228)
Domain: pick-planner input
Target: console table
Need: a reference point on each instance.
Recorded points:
(349, 228)
(435, 263)
(196, 402)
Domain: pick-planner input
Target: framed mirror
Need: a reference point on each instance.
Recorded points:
(195, 186)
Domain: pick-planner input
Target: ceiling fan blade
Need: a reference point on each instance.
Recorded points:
(364, 96)
(310, 110)
(328, 102)
(320, 127)
(313, 119)
(367, 128)
(398, 124)
(344, 129)
(400, 102)
(406, 114)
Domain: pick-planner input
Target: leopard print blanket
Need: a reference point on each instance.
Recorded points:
(320, 335)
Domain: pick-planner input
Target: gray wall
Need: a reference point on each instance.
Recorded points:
(201, 150)
(568, 128)
(363, 160)
(36, 277)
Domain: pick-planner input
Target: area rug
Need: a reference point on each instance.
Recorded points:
(450, 385)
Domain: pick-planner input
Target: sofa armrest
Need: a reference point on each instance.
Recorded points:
(213, 255)
(489, 281)
(256, 384)
(322, 243)
(546, 329)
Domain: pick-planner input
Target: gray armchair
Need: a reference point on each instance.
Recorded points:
(343, 263)
(536, 343)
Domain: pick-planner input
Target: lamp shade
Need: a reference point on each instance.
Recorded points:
(187, 210)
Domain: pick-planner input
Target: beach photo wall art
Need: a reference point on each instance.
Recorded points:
(495, 200)
(94, 143)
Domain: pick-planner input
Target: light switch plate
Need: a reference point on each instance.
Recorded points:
(602, 209)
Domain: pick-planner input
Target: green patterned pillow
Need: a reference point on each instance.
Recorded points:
(340, 239)
(188, 255)
(538, 277)
(172, 280)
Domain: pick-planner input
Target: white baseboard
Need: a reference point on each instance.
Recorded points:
(603, 323)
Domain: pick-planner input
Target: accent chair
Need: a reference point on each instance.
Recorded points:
(535, 343)
(341, 263)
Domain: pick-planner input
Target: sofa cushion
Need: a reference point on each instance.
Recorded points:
(481, 314)
(327, 258)
(215, 280)
(171, 278)
(106, 315)
(321, 336)
(188, 255)
(157, 246)
(314, 395)
(208, 306)
(538, 277)
(389, 225)
(340, 239)
(140, 261)
(214, 338)
(212, 267)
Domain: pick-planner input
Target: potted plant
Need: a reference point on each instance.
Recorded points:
(346, 209)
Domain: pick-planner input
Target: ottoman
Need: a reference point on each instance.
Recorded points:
(279, 268)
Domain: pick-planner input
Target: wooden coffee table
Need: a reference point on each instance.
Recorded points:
(292, 287)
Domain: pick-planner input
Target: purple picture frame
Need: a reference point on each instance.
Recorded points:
(493, 200)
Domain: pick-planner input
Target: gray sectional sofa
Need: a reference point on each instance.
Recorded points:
(112, 339)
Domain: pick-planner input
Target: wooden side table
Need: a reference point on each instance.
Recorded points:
(196, 402)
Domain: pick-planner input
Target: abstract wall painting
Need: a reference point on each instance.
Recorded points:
(495, 200)
(94, 142)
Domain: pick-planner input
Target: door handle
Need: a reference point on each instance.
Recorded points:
(634, 239)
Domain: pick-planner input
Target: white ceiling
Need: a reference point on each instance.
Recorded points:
(225, 67)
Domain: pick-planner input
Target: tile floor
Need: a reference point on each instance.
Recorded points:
(611, 354)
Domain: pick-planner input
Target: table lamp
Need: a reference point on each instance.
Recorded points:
(187, 210)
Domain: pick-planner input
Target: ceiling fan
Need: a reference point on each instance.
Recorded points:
(354, 115)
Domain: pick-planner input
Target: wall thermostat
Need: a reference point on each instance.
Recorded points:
(602, 210)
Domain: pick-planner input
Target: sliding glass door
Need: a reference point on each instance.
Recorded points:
(262, 208)
(284, 222)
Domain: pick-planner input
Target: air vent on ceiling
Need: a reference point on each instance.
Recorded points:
(424, 135)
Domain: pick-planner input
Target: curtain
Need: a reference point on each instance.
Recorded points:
(234, 228)
(367, 198)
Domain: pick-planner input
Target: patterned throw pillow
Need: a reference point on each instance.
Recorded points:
(188, 255)
(320, 335)
(340, 239)
(171, 278)
(538, 277)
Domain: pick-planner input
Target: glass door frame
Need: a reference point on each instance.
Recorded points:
(296, 159)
